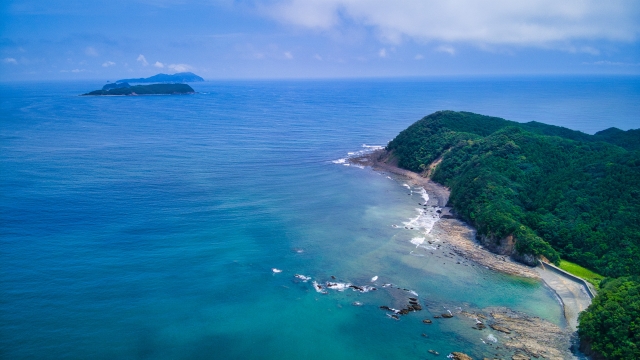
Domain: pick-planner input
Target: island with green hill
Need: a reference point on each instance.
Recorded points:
(535, 191)
(153, 89)
(182, 77)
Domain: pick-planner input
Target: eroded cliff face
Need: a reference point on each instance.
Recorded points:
(506, 246)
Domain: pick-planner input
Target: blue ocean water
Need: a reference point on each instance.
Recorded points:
(148, 227)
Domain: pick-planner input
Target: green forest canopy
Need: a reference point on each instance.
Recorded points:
(611, 325)
(560, 192)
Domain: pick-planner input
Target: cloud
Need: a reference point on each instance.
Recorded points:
(10, 61)
(382, 53)
(589, 50)
(142, 60)
(317, 57)
(108, 63)
(446, 49)
(537, 23)
(288, 55)
(90, 51)
(418, 57)
(610, 63)
(158, 64)
(180, 67)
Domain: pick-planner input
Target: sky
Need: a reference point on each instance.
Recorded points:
(308, 39)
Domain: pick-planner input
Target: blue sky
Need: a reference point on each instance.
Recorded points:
(254, 39)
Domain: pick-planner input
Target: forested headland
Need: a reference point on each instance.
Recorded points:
(534, 190)
(153, 89)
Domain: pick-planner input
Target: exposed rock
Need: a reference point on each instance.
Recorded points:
(500, 328)
(427, 321)
(446, 315)
(462, 241)
(531, 335)
(460, 356)
(434, 352)
(523, 334)
(520, 356)
(527, 259)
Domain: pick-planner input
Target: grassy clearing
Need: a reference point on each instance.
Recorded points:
(584, 273)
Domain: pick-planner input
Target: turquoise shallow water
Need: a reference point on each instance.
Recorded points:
(148, 227)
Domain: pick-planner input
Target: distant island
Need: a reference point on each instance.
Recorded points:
(165, 84)
(153, 89)
(182, 77)
(541, 192)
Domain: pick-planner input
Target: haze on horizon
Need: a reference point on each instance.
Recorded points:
(261, 39)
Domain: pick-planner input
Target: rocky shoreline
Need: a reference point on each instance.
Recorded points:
(520, 335)
(460, 236)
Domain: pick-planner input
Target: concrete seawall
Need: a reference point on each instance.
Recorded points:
(588, 287)
(574, 293)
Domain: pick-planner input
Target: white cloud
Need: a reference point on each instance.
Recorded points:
(180, 67)
(525, 23)
(10, 61)
(142, 60)
(590, 50)
(108, 63)
(317, 57)
(583, 49)
(418, 57)
(611, 63)
(91, 51)
(78, 70)
(158, 64)
(288, 55)
(446, 49)
(382, 53)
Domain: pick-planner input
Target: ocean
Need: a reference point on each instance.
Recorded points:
(172, 227)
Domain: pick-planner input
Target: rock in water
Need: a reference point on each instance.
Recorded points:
(460, 356)
(500, 328)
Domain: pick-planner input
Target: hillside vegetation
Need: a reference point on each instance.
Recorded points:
(558, 192)
(610, 327)
(552, 191)
(153, 89)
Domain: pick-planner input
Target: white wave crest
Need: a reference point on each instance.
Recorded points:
(417, 241)
(319, 288)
